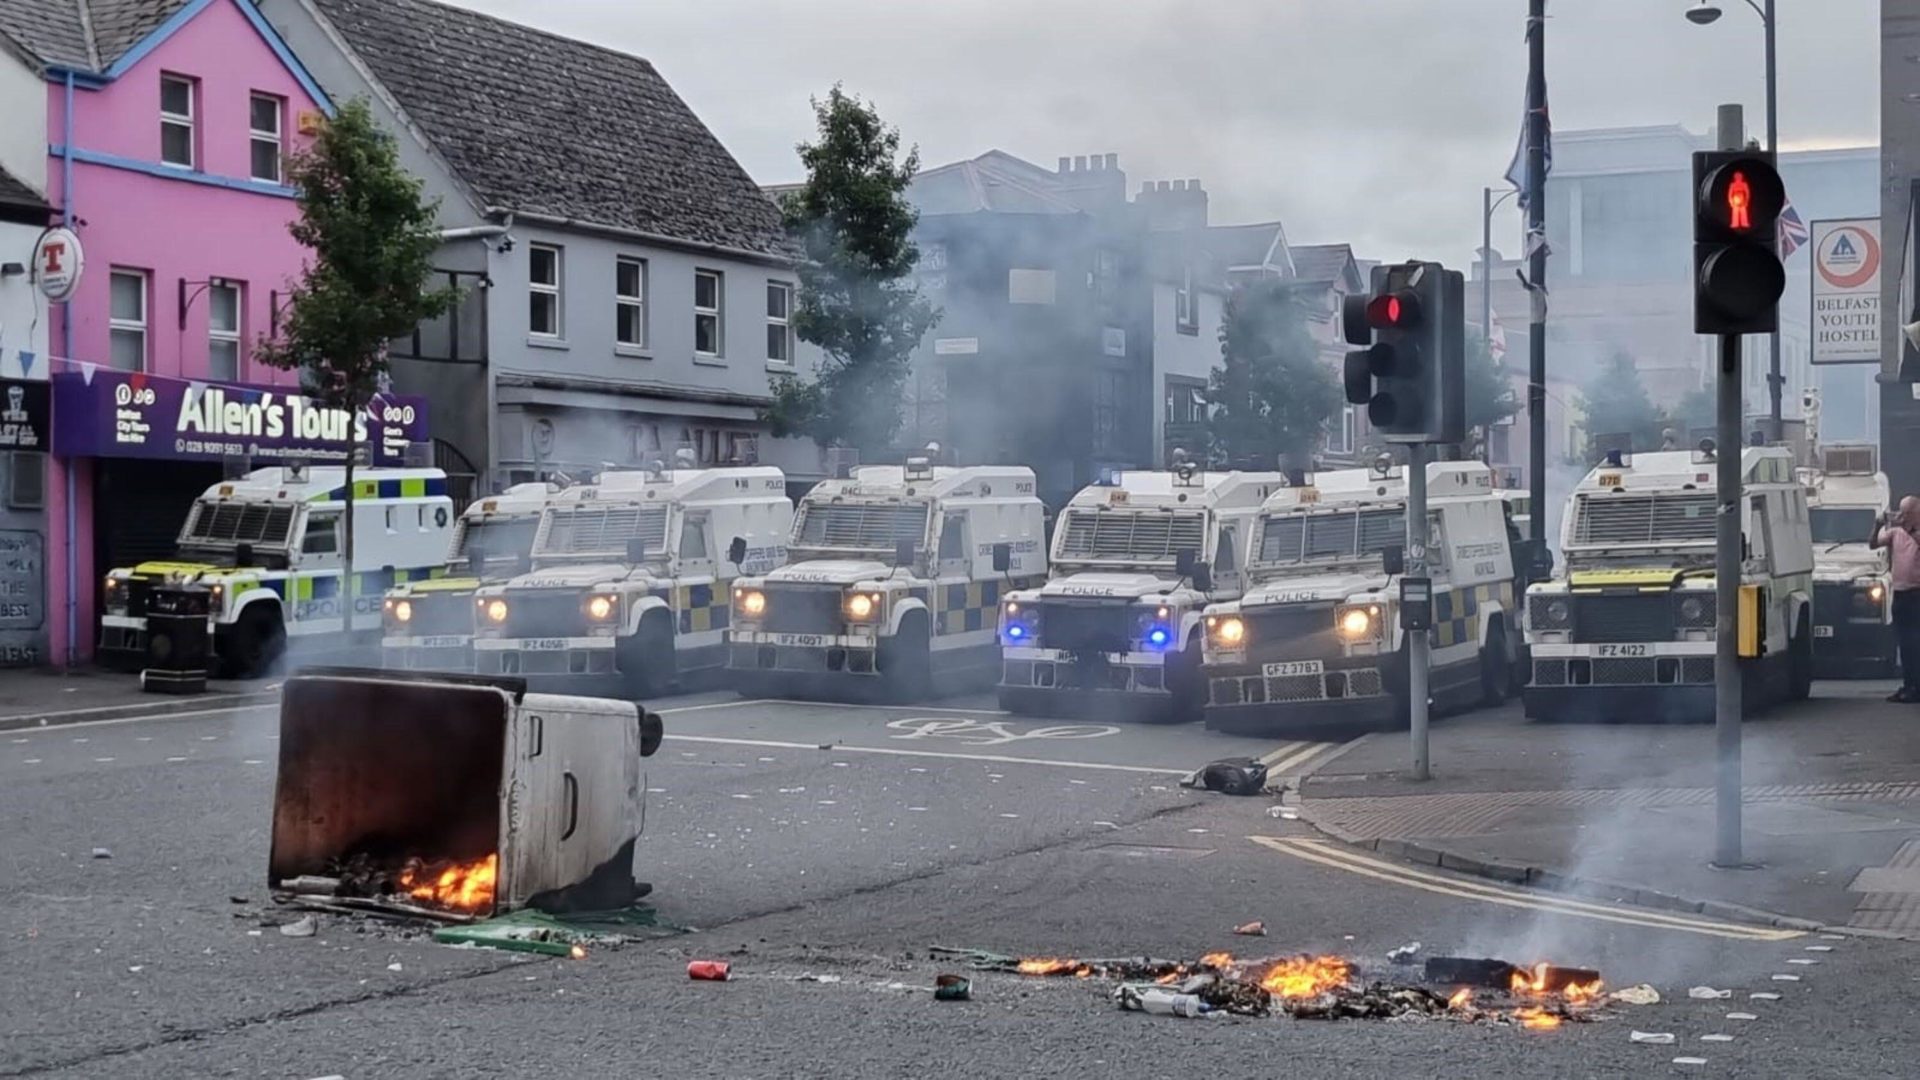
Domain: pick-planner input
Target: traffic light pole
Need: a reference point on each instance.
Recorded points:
(1726, 570)
(1417, 640)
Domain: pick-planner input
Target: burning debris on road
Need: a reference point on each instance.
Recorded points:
(1308, 987)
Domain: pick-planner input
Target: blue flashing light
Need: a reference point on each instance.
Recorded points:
(1016, 631)
(1158, 637)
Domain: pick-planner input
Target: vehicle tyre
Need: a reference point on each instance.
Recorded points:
(906, 660)
(1800, 661)
(257, 642)
(647, 663)
(1496, 667)
(1186, 684)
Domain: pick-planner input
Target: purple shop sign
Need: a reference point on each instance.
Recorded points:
(130, 414)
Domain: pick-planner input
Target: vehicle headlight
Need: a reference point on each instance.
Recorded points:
(1355, 623)
(1876, 592)
(600, 608)
(751, 602)
(1694, 611)
(862, 606)
(403, 611)
(1550, 612)
(495, 610)
(1229, 631)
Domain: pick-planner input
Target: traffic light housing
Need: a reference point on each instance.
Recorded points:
(1737, 276)
(1410, 368)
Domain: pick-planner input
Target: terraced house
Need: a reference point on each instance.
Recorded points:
(627, 286)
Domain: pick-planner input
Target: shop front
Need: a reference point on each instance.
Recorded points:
(133, 451)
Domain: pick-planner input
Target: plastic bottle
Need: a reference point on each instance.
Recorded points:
(1162, 1002)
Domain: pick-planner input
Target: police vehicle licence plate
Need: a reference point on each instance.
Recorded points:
(804, 641)
(545, 644)
(1823, 631)
(1619, 650)
(1283, 668)
(442, 642)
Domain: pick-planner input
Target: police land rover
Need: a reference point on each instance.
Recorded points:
(1136, 559)
(1852, 581)
(1628, 632)
(267, 546)
(1317, 636)
(896, 575)
(629, 585)
(429, 624)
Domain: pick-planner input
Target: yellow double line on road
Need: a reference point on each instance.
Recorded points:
(1293, 755)
(1340, 857)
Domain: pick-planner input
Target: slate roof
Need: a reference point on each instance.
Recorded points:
(1321, 262)
(57, 31)
(542, 124)
(1248, 245)
(14, 192)
(994, 182)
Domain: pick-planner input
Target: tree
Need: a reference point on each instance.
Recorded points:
(857, 302)
(1695, 411)
(372, 239)
(1271, 396)
(1615, 403)
(1489, 391)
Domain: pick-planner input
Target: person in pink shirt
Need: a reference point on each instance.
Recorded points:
(1898, 536)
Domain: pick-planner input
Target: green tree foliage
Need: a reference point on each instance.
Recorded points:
(1271, 396)
(1694, 412)
(857, 301)
(1491, 397)
(372, 239)
(1615, 403)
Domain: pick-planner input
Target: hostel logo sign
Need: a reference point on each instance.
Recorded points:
(145, 416)
(1846, 291)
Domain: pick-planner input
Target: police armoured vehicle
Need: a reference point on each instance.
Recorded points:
(1317, 636)
(1628, 632)
(267, 547)
(895, 577)
(429, 624)
(1135, 560)
(1852, 581)
(629, 585)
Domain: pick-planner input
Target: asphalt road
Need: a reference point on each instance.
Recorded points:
(796, 839)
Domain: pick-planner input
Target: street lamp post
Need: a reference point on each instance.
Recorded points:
(1701, 14)
(1488, 204)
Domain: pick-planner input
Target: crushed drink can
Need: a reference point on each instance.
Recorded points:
(952, 988)
(710, 970)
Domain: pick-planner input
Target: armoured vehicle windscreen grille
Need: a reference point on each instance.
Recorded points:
(1630, 618)
(238, 523)
(499, 538)
(859, 526)
(603, 530)
(1680, 518)
(1131, 535)
(1082, 627)
(803, 609)
(1288, 538)
(1853, 525)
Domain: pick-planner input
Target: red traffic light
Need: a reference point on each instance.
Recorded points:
(1394, 310)
(1744, 197)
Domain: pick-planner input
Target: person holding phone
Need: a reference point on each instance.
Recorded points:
(1897, 534)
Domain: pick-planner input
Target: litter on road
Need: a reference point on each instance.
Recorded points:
(1763, 995)
(1708, 993)
(305, 926)
(1255, 928)
(1404, 954)
(952, 988)
(102, 853)
(1716, 1038)
(710, 970)
(1234, 776)
(1741, 1016)
(1689, 1061)
(1658, 1038)
(1642, 994)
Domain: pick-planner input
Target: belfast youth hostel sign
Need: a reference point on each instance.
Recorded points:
(126, 414)
(1846, 291)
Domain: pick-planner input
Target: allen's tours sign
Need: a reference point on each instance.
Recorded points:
(126, 414)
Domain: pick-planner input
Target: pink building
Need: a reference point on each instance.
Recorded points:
(167, 127)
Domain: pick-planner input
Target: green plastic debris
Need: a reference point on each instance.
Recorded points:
(538, 932)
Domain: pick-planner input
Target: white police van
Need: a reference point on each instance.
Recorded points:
(1853, 633)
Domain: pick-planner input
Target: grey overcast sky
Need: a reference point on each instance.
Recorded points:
(1374, 122)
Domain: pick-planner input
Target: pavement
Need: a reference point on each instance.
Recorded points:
(39, 697)
(1831, 814)
(809, 839)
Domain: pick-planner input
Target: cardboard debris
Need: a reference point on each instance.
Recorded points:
(1642, 994)
(1708, 993)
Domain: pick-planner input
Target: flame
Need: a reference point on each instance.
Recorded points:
(1582, 993)
(1536, 1019)
(1536, 983)
(1306, 976)
(467, 887)
(1461, 998)
(1049, 965)
(1168, 979)
(1218, 961)
(577, 953)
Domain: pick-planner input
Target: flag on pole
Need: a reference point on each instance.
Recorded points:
(1517, 168)
(1793, 231)
(1496, 338)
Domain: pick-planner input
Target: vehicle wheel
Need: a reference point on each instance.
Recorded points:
(257, 642)
(906, 660)
(1186, 684)
(647, 662)
(1800, 661)
(1496, 667)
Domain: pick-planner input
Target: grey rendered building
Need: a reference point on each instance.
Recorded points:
(626, 286)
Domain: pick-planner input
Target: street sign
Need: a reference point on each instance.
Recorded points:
(1847, 260)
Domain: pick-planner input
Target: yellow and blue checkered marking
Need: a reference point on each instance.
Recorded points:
(415, 488)
(1456, 611)
(970, 606)
(698, 609)
(326, 583)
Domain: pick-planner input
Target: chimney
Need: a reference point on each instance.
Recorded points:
(1066, 165)
(1080, 163)
(1113, 161)
(1173, 205)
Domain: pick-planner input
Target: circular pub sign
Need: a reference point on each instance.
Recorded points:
(57, 262)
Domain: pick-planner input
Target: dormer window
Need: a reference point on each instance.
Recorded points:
(177, 111)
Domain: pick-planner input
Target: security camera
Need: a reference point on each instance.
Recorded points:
(505, 245)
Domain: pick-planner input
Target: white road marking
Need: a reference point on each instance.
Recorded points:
(159, 716)
(899, 752)
(850, 705)
(30, 761)
(102, 760)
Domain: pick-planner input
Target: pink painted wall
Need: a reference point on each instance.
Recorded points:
(174, 229)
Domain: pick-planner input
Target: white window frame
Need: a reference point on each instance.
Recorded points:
(1186, 313)
(635, 302)
(718, 313)
(276, 137)
(185, 120)
(216, 335)
(783, 323)
(556, 289)
(141, 326)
